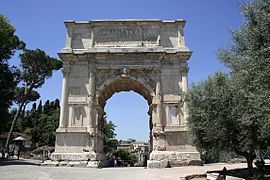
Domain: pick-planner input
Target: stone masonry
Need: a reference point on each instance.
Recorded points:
(103, 57)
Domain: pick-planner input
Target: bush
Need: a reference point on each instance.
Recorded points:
(126, 155)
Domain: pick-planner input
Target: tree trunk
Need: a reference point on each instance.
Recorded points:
(250, 159)
(250, 156)
(12, 125)
(16, 116)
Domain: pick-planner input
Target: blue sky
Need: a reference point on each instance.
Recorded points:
(40, 25)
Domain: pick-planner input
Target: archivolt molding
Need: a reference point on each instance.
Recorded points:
(111, 81)
(103, 77)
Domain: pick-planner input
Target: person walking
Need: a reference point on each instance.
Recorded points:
(145, 161)
(3, 152)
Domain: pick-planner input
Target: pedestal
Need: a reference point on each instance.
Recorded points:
(164, 159)
(78, 147)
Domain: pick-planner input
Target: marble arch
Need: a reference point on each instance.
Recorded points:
(107, 56)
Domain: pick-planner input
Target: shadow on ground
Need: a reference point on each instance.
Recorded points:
(10, 162)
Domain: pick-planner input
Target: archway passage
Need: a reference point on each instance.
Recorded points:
(128, 111)
(121, 84)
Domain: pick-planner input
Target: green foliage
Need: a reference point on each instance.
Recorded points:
(9, 42)
(110, 143)
(126, 155)
(37, 66)
(233, 113)
(7, 85)
(210, 104)
(20, 93)
(210, 156)
(249, 59)
(47, 124)
(42, 122)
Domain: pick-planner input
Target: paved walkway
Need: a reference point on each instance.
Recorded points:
(29, 170)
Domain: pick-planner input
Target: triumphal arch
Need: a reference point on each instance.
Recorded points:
(103, 57)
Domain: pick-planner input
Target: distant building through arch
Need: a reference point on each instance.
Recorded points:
(105, 57)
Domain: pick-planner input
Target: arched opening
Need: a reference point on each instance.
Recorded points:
(120, 86)
(129, 112)
(124, 84)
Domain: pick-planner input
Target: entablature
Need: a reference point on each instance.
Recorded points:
(150, 33)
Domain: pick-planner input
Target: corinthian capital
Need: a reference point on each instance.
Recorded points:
(66, 68)
(184, 69)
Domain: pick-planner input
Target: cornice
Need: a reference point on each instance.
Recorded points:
(150, 55)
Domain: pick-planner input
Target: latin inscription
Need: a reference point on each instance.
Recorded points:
(121, 36)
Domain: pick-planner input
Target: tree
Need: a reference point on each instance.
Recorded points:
(210, 105)
(110, 143)
(215, 106)
(126, 155)
(19, 96)
(248, 57)
(9, 43)
(23, 117)
(47, 122)
(235, 115)
(40, 123)
(39, 108)
(7, 85)
(36, 66)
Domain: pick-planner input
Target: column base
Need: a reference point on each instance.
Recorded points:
(85, 159)
(84, 164)
(164, 159)
(74, 147)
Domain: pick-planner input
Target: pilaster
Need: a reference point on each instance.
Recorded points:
(184, 72)
(64, 96)
(91, 102)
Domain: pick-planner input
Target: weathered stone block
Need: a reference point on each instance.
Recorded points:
(93, 164)
(73, 164)
(174, 155)
(74, 156)
(50, 163)
(157, 164)
(83, 163)
(185, 162)
(63, 163)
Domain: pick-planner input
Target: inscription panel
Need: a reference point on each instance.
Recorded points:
(123, 36)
